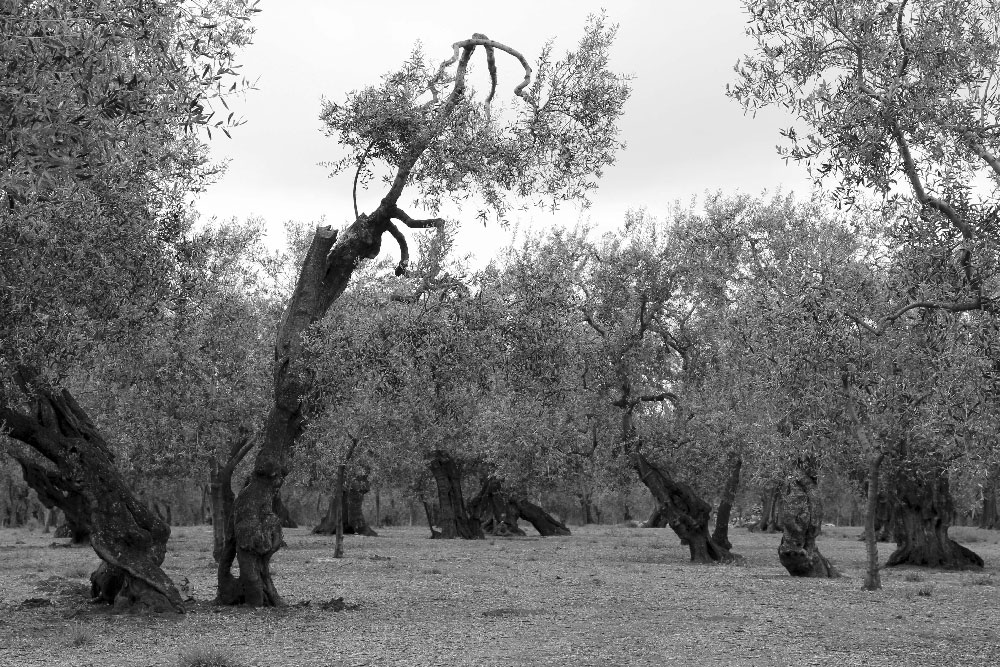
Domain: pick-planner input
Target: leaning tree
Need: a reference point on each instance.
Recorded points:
(432, 133)
(97, 159)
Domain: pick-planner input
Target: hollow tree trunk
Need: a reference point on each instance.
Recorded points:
(58, 492)
(801, 522)
(721, 533)
(129, 538)
(686, 513)
(453, 519)
(923, 511)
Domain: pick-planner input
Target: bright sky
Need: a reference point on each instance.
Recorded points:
(684, 135)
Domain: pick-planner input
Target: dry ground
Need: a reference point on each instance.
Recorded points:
(604, 596)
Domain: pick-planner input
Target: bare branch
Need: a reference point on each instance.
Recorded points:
(402, 216)
(950, 306)
(905, 63)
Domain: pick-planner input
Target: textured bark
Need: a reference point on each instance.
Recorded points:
(453, 518)
(873, 580)
(801, 522)
(721, 533)
(498, 513)
(56, 491)
(685, 512)
(126, 534)
(923, 513)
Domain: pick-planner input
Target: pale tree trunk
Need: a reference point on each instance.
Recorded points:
(129, 538)
(873, 581)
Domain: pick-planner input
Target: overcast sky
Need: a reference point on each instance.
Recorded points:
(684, 135)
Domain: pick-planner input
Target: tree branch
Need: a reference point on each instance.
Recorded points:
(402, 216)
(404, 249)
(952, 307)
(361, 163)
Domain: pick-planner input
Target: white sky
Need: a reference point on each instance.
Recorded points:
(684, 135)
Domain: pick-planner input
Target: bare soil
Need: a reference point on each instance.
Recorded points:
(603, 596)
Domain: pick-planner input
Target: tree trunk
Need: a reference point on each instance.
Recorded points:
(498, 513)
(57, 492)
(923, 511)
(771, 511)
(588, 510)
(281, 509)
(325, 273)
(801, 522)
(453, 519)
(353, 517)
(686, 513)
(546, 524)
(721, 533)
(125, 533)
(431, 520)
(990, 518)
(872, 581)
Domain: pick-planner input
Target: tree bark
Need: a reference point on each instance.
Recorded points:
(686, 513)
(873, 580)
(353, 520)
(58, 492)
(721, 533)
(453, 519)
(126, 534)
(801, 522)
(498, 513)
(923, 513)
(990, 518)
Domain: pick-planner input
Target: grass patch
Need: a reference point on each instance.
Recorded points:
(208, 657)
(80, 635)
(913, 577)
(925, 591)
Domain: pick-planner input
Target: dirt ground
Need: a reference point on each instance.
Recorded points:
(604, 596)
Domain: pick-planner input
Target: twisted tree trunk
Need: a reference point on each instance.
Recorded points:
(453, 518)
(351, 500)
(498, 513)
(923, 515)
(801, 522)
(220, 485)
(129, 538)
(685, 512)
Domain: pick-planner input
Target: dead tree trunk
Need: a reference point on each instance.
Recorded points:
(453, 519)
(686, 513)
(129, 538)
(923, 514)
(721, 533)
(801, 522)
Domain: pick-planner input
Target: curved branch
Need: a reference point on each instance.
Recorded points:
(950, 306)
(404, 249)
(401, 215)
(905, 63)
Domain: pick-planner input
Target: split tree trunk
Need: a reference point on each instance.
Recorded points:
(453, 518)
(801, 522)
(923, 513)
(685, 512)
(498, 513)
(222, 500)
(129, 538)
(721, 533)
